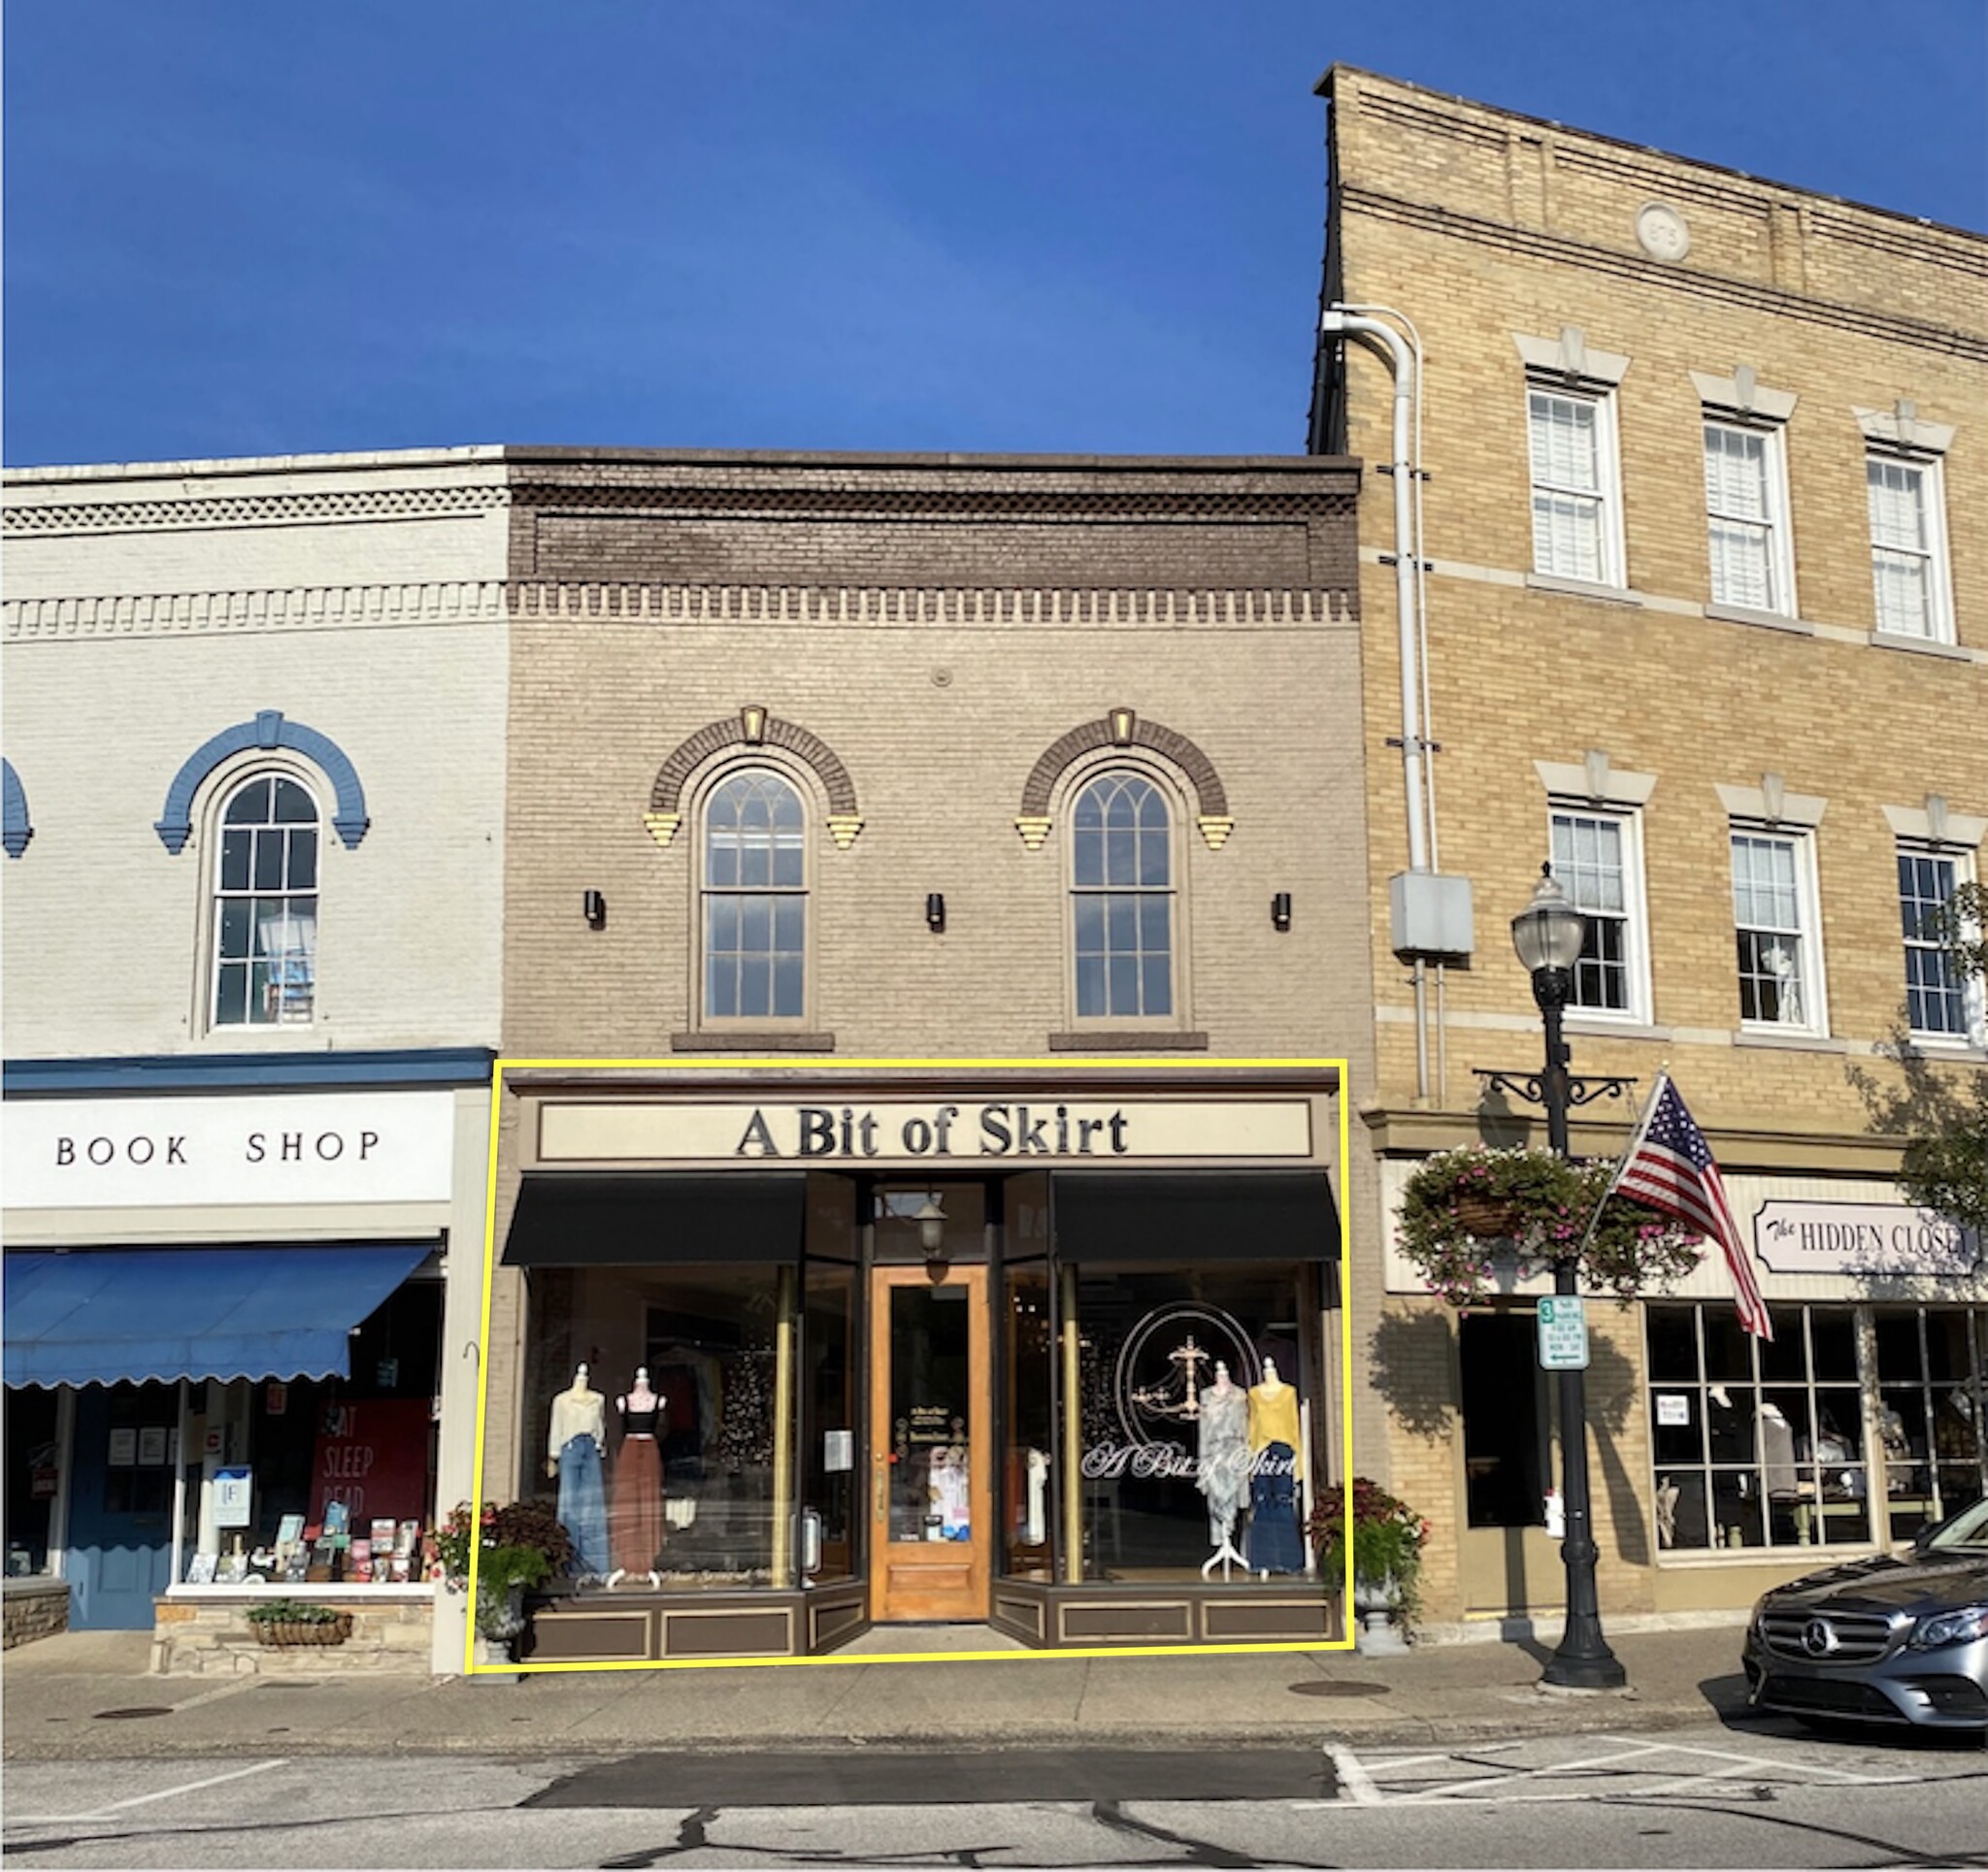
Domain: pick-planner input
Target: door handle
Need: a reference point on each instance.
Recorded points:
(881, 1492)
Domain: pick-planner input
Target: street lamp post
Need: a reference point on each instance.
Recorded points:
(1548, 933)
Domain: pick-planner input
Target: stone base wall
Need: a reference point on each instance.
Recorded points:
(213, 1637)
(34, 1609)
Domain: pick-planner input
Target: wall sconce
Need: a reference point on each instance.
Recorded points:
(931, 1221)
(595, 906)
(1280, 911)
(935, 912)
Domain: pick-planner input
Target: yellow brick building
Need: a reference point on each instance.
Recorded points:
(1703, 616)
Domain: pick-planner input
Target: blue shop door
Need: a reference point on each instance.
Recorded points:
(120, 1508)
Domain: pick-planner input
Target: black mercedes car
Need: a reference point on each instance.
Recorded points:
(1898, 1640)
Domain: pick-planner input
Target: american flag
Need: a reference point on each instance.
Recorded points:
(1669, 1166)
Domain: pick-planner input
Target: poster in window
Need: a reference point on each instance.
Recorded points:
(372, 1460)
(233, 1489)
(152, 1446)
(123, 1453)
(1674, 1411)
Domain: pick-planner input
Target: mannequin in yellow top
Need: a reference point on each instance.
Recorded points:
(1273, 1411)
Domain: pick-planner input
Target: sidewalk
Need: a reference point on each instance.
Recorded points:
(86, 1694)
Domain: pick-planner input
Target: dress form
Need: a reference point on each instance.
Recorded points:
(643, 1405)
(576, 1441)
(1224, 1467)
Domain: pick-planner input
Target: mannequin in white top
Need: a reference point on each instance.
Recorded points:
(579, 1410)
(635, 1513)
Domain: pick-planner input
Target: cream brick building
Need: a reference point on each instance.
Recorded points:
(255, 717)
(1701, 467)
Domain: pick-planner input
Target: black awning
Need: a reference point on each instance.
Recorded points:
(565, 1220)
(1195, 1216)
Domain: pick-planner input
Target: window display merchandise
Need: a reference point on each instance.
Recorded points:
(578, 1437)
(636, 1516)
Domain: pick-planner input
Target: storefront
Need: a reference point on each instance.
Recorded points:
(1054, 1354)
(227, 1316)
(1730, 1464)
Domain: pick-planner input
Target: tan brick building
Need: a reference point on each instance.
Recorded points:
(1703, 616)
(822, 763)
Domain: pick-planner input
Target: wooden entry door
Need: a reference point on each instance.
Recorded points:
(931, 1445)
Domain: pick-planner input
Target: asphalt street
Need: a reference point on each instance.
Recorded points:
(1757, 1794)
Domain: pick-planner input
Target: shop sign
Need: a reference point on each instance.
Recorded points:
(278, 1147)
(1869, 1238)
(1044, 1131)
(1563, 1326)
(232, 1491)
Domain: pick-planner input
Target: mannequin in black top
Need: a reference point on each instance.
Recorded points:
(635, 1517)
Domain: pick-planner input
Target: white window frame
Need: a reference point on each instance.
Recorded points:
(1775, 521)
(1974, 1014)
(1931, 470)
(1568, 368)
(215, 895)
(702, 892)
(1814, 998)
(1634, 912)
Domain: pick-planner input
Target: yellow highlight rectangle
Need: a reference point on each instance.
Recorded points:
(963, 1066)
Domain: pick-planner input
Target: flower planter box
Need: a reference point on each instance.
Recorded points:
(284, 1633)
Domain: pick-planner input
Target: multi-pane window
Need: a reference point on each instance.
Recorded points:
(265, 905)
(1745, 500)
(1933, 1388)
(1573, 452)
(1936, 993)
(1593, 854)
(1907, 548)
(1772, 921)
(1756, 1443)
(1122, 899)
(755, 900)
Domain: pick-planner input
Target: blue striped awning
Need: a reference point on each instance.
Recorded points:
(102, 1317)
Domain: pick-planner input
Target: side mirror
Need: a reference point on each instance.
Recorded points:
(1922, 1541)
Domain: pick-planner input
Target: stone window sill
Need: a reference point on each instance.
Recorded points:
(751, 1042)
(1593, 1026)
(1119, 1040)
(1760, 620)
(1548, 581)
(1922, 646)
(1796, 1042)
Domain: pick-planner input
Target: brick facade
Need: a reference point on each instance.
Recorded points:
(1484, 227)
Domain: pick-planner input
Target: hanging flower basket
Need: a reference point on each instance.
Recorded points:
(1485, 1218)
(1472, 1218)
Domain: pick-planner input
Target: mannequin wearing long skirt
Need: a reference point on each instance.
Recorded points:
(1222, 1466)
(635, 1514)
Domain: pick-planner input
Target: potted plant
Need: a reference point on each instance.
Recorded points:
(283, 1623)
(519, 1545)
(1387, 1541)
(1466, 1211)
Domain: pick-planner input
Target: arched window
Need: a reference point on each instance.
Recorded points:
(755, 899)
(1122, 899)
(265, 905)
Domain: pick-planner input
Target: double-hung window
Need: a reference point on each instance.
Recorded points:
(1909, 546)
(1575, 464)
(755, 899)
(1570, 435)
(1936, 994)
(1746, 517)
(1596, 863)
(265, 905)
(1122, 899)
(1777, 929)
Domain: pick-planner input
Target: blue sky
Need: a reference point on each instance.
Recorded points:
(235, 227)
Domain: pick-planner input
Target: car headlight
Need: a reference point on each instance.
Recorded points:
(1753, 1622)
(1960, 1627)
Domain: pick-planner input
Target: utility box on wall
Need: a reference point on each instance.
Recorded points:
(1430, 917)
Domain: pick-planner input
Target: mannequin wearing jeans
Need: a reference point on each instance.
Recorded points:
(573, 1452)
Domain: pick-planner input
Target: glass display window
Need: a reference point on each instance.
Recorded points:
(1193, 1396)
(1933, 1385)
(709, 1343)
(1756, 1444)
